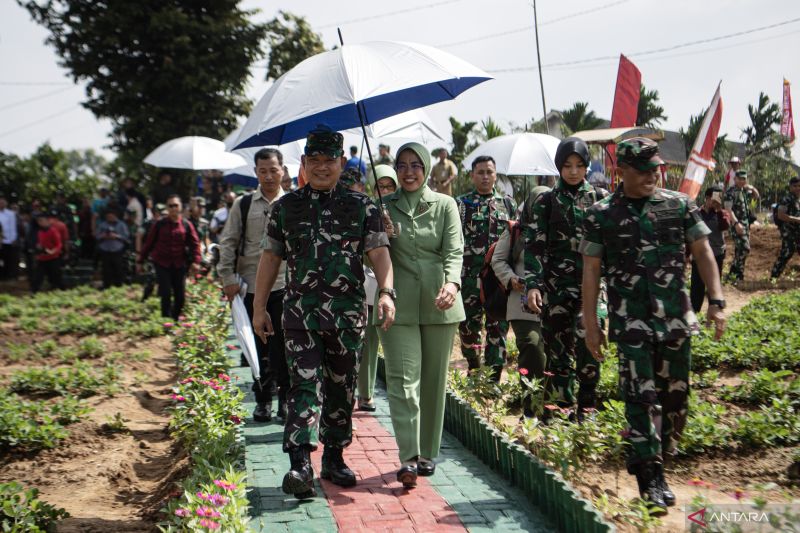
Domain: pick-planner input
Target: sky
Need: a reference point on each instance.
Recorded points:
(682, 47)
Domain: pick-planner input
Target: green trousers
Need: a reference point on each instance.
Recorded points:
(369, 361)
(531, 347)
(417, 358)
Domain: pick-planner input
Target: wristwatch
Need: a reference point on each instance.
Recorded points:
(718, 303)
(391, 292)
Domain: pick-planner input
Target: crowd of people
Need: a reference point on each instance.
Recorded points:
(328, 274)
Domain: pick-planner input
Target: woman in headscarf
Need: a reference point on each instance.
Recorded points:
(426, 250)
(554, 268)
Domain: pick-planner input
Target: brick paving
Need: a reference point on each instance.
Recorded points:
(463, 495)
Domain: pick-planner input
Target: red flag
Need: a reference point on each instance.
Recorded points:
(787, 123)
(701, 160)
(626, 103)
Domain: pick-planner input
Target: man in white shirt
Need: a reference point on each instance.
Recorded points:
(220, 216)
(9, 247)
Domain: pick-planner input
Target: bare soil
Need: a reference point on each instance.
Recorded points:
(107, 480)
(765, 243)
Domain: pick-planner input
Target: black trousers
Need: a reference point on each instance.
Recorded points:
(9, 254)
(50, 270)
(697, 294)
(271, 356)
(172, 289)
(113, 268)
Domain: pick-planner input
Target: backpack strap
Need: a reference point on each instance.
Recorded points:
(244, 209)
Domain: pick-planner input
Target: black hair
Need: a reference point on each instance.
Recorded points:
(711, 190)
(794, 180)
(353, 150)
(483, 159)
(268, 153)
(171, 196)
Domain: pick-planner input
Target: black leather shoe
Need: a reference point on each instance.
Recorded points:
(334, 468)
(299, 480)
(407, 475)
(426, 469)
(669, 496)
(649, 488)
(263, 412)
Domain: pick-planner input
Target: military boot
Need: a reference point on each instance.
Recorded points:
(263, 411)
(669, 496)
(282, 407)
(649, 488)
(300, 479)
(587, 402)
(334, 468)
(473, 364)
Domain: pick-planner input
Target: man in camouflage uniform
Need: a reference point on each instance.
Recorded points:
(322, 232)
(738, 201)
(639, 234)
(554, 271)
(484, 216)
(788, 218)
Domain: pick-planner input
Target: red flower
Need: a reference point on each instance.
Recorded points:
(523, 371)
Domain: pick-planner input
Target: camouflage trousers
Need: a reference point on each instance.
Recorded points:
(740, 253)
(469, 330)
(789, 245)
(567, 356)
(323, 368)
(654, 382)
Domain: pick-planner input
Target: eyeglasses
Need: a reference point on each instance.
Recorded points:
(402, 167)
(387, 187)
(173, 205)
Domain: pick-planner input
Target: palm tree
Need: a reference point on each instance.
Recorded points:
(491, 129)
(579, 118)
(649, 114)
(762, 118)
(461, 133)
(690, 133)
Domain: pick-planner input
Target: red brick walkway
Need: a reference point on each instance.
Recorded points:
(378, 502)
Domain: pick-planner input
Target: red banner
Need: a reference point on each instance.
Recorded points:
(626, 103)
(701, 158)
(787, 123)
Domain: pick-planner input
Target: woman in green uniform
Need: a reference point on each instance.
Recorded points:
(426, 250)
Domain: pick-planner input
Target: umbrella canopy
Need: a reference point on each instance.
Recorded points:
(520, 154)
(244, 331)
(380, 79)
(414, 125)
(193, 153)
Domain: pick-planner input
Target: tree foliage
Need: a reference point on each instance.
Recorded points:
(490, 129)
(764, 116)
(461, 140)
(158, 70)
(291, 40)
(649, 114)
(579, 118)
(76, 173)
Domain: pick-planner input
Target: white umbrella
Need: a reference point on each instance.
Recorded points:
(244, 331)
(355, 84)
(193, 153)
(520, 154)
(414, 125)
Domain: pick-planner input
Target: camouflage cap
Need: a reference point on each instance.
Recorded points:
(741, 174)
(323, 140)
(639, 152)
(350, 176)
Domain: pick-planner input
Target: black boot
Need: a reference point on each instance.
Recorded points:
(282, 407)
(669, 496)
(587, 401)
(300, 479)
(334, 468)
(473, 364)
(497, 372)
(263, 412)
(649, 488)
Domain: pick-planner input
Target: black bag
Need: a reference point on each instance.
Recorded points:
(494, 295)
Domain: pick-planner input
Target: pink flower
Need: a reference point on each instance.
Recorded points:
(221, 483)
(551, 407)
(523, 371)
(696, 482)
(182, 512)
(207, 511)
(202, 338)
(235, 419)
(218, 499)
(210, 524)
(549, 374)
(178, 398)
(187, 380)
(183, 345)
(224, 377)
(230, 346)
(168, 324)
(181, 317)
(186, 324)
(203, 496)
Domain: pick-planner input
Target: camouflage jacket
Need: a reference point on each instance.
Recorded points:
(323, 237)
(552, 236)
(790, 204)
(484, 217)
(643, 256)
(740, 202)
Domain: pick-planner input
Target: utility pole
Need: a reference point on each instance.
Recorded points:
(539, 61)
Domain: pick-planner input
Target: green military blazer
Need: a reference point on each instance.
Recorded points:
(426, 253)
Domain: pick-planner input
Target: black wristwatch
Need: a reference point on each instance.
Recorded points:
(718, 303)
(391, 292)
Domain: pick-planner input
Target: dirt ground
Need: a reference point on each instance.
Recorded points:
(107, 481)
(765, 243)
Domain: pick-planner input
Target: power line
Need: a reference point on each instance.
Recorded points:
(529, 28)
(31, 83)
(38, 121)
(34, 98)
(653, 51)
(398, 12)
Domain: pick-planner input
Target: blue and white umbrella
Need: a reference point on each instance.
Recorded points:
(377, 79)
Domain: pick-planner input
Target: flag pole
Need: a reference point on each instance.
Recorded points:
(539, 62)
